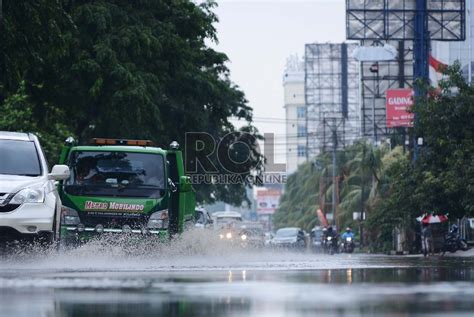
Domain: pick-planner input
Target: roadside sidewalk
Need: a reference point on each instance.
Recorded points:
(457, 254)
(468, 253)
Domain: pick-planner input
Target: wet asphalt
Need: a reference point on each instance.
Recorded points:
(197, 277)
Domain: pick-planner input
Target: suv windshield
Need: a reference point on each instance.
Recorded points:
(116, 174)
(227, 220)
(283, 233)
(19, 158)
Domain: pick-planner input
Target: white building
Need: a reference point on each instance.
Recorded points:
(449, 52)
(295, 112)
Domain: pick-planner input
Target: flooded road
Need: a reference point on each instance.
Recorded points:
(195, 281)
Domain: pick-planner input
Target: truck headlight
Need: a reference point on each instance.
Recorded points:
(69, 216)
(28, 195)
(158, 220)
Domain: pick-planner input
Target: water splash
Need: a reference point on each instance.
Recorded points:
(194, 250)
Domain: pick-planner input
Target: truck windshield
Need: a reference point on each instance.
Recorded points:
(19, 158)
(116, 174)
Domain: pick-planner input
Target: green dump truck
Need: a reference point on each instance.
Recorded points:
(124, 187)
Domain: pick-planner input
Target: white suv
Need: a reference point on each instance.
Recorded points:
(29, 203)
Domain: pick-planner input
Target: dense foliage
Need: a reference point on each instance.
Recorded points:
(359, 176)
(116, 68)
(390, 186)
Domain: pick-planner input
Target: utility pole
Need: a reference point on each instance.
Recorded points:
(421, 53)
(334, 162)
(362, 194)
(374, 69)
(333, 138)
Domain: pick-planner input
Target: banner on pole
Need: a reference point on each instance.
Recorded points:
(267, 201)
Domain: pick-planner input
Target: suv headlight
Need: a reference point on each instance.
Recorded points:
(69, 216)
(158, 220)
(28, 195)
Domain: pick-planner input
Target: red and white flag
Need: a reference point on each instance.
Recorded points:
(436, 68)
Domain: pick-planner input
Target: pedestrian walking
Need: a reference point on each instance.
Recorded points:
(426, 239)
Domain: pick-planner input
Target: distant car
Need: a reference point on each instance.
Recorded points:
(202, 218)
(225, 218)
(228, 225)
(252, 234)
(289, 238)
(30, 206)
(268, 238)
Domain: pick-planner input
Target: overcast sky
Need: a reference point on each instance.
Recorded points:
(259, 35)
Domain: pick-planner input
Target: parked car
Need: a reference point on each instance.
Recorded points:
(30, 206)
(289, 238)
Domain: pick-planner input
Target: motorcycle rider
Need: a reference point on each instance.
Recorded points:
(347, 246)
(331, 232)
(325, 234)
(454, 230)
(453, 241)
(331, 244)
(347, 234)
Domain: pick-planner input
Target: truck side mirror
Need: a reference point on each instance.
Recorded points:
(185, 184)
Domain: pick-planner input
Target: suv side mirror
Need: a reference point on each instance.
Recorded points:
(59, 173)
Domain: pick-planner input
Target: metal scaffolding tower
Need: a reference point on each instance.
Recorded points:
(444, 20)
(331, 95)
(420, 21)
(377, 78)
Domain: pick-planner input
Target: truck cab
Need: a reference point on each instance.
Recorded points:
(124, 186)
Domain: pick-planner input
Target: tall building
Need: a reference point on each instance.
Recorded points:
(449, 52)
(295, 112)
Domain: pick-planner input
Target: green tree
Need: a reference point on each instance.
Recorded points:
(441, 180)
(445, 168)
(123, 69)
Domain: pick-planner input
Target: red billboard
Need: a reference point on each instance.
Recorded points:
(399, 101)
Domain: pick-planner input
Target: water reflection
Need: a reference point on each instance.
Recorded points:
(447, 290)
